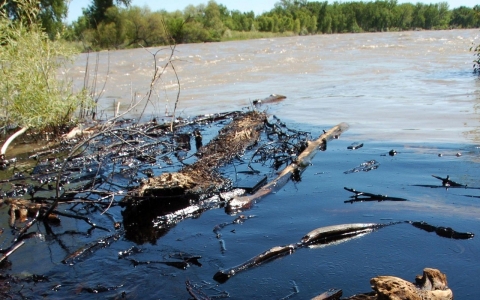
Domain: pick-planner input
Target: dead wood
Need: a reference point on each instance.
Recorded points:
(432, 285)
(360, 196)
(302, 162)
(273, 98)
(91, 247)
(200, 177)
(331, 294)
(10, 250)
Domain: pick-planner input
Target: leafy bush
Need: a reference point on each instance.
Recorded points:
(476, 61)
(32, 94)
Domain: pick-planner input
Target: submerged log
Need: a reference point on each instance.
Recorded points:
(273, 253)
(331, 235)
(322, 235)
(294, 169)
(446, 232)
(335, 232)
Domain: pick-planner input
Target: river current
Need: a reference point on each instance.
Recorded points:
(414, 92)
(409, 86)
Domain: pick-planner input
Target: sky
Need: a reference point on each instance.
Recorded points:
(258, 6)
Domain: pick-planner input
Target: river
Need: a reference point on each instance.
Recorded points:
(414, 92)
(405, 86)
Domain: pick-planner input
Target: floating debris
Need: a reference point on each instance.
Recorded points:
(238, 220)
(445, 232)
(331, 294)
(273, 98)
(365, 196)
(446, 182)
(355, 146)
(364, 167)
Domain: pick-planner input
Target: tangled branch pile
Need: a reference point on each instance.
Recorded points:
(200, 177)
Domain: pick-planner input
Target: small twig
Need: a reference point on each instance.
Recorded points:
(10, 250)
(195, 292)
(87, 220)
(178, 96)
(87, 248)
(109, 205)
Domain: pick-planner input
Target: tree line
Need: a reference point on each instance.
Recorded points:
(113, 25)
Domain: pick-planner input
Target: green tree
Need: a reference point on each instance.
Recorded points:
(418, 17)
(318, 9)
(463, 17)
(403, 16)
(32, 96)
(50, 13)
(144, 27)
(296, 26)
(175, 23)
(97, 11)
(112, 33)
(212, 20)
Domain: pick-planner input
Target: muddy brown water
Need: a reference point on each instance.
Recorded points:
(411, 91)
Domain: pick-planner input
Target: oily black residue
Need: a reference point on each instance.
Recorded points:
(117, 251)
(87, 182)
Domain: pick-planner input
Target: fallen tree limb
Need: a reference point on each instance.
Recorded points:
(332, 235)
(296, 168)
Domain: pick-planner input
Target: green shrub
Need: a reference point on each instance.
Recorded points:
(476, 61)
(31, 91)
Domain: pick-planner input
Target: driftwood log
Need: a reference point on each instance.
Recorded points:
(294, 169)
(432, 285)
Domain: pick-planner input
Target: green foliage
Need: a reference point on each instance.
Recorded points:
(49, 12)
(464, 17)
(476, 61)
(214, 22)
(143, 27)
(96, 13)
(32, 95)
